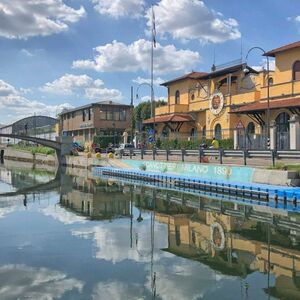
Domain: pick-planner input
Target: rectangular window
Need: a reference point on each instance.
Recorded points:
(109, 115)
(103, 113)
(123, 114)
(89, 113)
(83, 115)
(116, 114)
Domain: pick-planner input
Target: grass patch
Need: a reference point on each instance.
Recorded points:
(35, 149)
(282, 166)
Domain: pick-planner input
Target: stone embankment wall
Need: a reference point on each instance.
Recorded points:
(221, 172)
(26, 156)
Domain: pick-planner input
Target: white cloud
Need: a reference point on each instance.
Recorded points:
(111, 241)
(118, 291)
(24, 282)
(120, 8)
(22, 19)
(17, 106)
(140, 80)
(263, 65)
(26, 52)
(70, 84)
(295, 20)
(60, 214)
(119, 57)
(192, 19)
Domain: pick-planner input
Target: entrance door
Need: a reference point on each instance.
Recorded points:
(282, 131)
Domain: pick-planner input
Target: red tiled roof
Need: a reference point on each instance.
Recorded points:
(260, 106)
(192, 75)
(169, 119)
(283, 48)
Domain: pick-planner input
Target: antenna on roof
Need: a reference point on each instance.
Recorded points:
(241, 49)
(213, 67)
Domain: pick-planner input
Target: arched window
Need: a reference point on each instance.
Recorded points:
(296, 70)
(177, 97)
(251, 128)
(218, 132)
(193, 132)
(271, 81)
(204, 131)
(282, 122)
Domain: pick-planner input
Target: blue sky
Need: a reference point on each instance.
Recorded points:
(62, 53)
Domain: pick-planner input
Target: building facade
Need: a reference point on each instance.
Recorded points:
(105, 118)
(38, 126)
(234, 97)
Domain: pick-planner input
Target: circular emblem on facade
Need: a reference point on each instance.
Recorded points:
(217, 236)
(216, 103)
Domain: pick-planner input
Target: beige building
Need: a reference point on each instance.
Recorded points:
(106, 118)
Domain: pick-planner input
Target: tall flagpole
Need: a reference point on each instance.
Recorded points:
(153, 44)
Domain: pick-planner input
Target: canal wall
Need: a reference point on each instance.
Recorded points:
(205, 171)
(26, 156)
(218, 172)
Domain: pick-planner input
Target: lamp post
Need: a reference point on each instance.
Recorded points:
(152, 103)
(268, 89)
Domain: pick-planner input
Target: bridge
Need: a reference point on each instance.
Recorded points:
(62, 147)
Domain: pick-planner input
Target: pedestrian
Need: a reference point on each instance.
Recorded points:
(215, 143)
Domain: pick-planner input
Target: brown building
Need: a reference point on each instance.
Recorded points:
(106, 118)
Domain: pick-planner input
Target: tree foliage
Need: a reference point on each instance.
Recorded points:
(143, 112)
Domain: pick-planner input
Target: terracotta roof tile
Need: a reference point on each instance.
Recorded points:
(282, 48)
(260, 106)
(170, 118)
(192, 75)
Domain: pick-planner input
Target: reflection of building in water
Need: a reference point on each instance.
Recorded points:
(100, 200)
(232, 239)
(5, 176)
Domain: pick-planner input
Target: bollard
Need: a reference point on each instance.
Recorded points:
(167, 154)
(142, 153)
(245, 157)
(273, 155)
(153, 154)
(294, 200)
(182, 155)
(221, 156)
(130, 153)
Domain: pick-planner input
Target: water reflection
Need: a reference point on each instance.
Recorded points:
(99, 239)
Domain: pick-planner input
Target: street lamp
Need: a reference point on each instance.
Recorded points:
(268, 88)
(152, 102)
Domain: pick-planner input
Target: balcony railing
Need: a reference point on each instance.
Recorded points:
(286, 89)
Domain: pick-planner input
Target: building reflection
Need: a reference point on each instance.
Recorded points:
(231, 238)
(97, 200)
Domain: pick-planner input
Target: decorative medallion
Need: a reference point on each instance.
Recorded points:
(217, 236)
(216, 103)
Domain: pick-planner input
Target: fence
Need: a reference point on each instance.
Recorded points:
(202, 155)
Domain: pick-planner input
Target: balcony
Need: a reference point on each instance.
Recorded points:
(171, 109)
(282, 90)
(243, 98)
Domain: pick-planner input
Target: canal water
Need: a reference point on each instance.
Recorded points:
(69, 236)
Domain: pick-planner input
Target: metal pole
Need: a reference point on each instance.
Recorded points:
(268, 101)
(268, 92)
(132, 115)
(152, 91)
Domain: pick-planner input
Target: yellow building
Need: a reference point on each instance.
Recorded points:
(234, 97)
